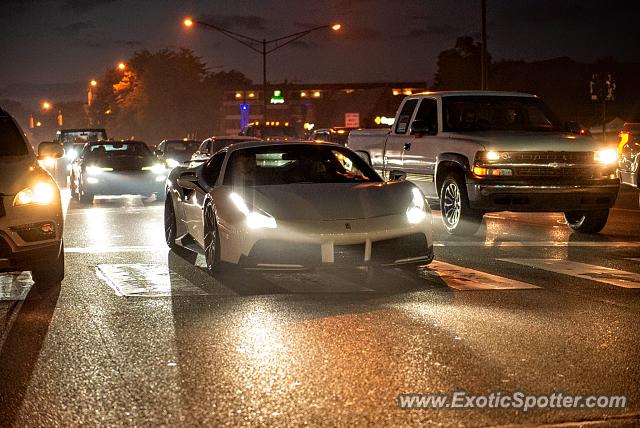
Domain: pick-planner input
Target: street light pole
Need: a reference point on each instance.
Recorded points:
(264, 50)
(483, 54)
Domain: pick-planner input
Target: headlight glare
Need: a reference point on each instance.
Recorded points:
(71, 154)
(156, 168)
(40, 194)
(416, 212)
(255, 219)
(606, 156)
(172, 163)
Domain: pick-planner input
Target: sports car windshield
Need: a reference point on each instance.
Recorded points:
(296, 163)
(497, 113)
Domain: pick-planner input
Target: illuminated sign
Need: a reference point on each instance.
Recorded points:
(277, 97)
(352, 120)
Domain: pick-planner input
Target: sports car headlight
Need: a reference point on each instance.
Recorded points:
(96, 170)
(41, 193)
(606, 156)
(172, 163)
(416, 211)
(156, 168)
(256, 219)
(71, 154)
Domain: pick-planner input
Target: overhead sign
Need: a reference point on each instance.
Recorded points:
(352, 120)
(277, 97)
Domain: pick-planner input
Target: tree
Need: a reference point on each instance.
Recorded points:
(459, 67)
(166, 94)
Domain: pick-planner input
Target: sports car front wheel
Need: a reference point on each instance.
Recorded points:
(169, 223)
(211, 240)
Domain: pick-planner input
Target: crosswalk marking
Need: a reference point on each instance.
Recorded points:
(461, 278)
(606, 275)
(15, 286)
(147, 280)
(621, 244)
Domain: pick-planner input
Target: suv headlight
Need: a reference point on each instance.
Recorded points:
(606, 156)
(96, 170)
(256, 219)
(42, 193)
(416, 212)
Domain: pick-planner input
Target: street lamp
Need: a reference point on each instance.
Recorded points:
(93, 83)
(46, 105)
(263, 47)
(121, 66)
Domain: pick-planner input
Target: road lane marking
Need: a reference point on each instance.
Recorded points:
(147, 280)
(461, 278)
(619, 278)
(15, 286)
(623, 244)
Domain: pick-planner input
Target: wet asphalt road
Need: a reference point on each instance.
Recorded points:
(139, 335)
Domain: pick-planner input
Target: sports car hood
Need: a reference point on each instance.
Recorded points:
(124, 163)
(531, 141)
(331, 201)
(18, 172)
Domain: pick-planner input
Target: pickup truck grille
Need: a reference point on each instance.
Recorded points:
(554, 172)
(551, 157)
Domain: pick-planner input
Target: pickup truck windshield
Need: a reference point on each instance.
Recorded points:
(296, 163)
(497, 113)
(11, 141)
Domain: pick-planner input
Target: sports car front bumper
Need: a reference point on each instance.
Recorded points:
(381, 240)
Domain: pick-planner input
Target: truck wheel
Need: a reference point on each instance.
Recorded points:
(51, 271)
(587, 221)
(458, 218)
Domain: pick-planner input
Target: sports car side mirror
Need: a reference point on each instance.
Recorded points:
(188, 181)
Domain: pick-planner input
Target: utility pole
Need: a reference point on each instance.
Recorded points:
(265, 102)
(602, 87)
(484, 73)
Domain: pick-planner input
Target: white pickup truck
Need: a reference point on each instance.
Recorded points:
(474, 152)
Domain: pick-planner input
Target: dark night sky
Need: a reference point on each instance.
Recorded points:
(44, 41)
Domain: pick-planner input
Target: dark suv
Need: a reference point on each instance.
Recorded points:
(629, 154)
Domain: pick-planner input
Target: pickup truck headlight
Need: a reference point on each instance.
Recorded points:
(256, 219)
(416, 212)
(606, 156)
(42, 193)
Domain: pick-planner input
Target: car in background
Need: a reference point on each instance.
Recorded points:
(295, 204)
(213, 144)
(31, 219)
(174, 152)
(629, 154)
(116, 168)
(336, 134)
(270, 130)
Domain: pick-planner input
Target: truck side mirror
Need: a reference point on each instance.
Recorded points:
(49, 149)
(422, 127)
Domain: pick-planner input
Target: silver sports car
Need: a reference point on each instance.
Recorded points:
(295, 204)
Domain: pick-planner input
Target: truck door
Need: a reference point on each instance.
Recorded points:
(398, 138)
(419, 154)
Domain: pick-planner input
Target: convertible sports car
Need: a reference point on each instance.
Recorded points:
(295, 204)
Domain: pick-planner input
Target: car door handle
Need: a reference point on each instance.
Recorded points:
(407, 146)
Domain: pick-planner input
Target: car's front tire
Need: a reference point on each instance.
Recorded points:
(457, 216)
(587, 221)
(169, 223)
(50, 272)
(85, 197)
(211, 240)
